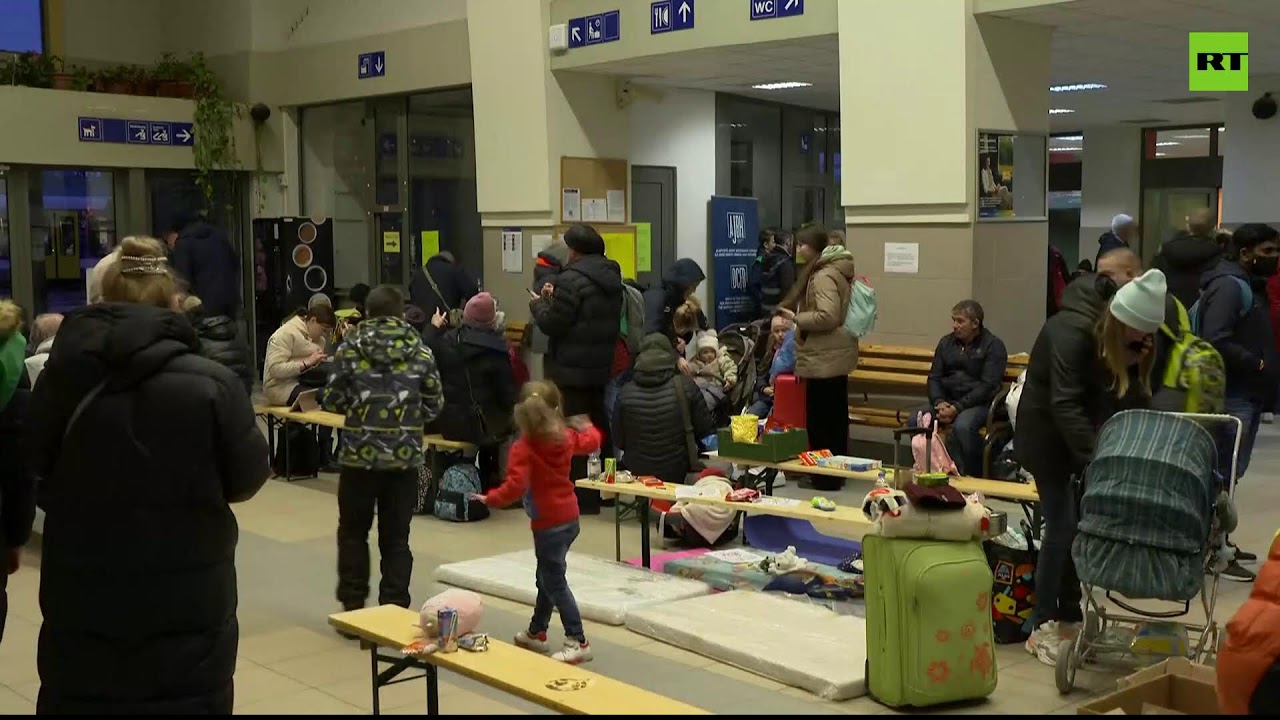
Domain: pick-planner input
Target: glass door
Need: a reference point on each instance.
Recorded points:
(390, 176)
(1165, 212)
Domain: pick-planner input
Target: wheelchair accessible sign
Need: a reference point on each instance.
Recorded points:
(1219, 61)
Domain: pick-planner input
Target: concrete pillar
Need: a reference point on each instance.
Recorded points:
(1111, 183)
(1249, 148)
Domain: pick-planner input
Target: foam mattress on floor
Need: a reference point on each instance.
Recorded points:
(606, 591)
(797, 644)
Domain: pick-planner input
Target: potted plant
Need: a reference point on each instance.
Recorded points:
(173, 77)
(117, 80)
(81, 79)
(31, 70)
(214, 148)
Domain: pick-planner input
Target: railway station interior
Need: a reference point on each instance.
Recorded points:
(397, 130)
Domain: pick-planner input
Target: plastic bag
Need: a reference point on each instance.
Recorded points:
(745, 428)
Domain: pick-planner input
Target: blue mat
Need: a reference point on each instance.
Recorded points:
(773, 533)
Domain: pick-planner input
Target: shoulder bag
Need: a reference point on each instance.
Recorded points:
(453, 315)
(691, 444)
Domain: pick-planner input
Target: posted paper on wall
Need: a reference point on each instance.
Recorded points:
(595, 210)
(617, 205)
(538, 243)
(513, 250)
(902, 258)
(572, 205)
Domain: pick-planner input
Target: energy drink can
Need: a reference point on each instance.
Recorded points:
(610, 468)
(448, 623)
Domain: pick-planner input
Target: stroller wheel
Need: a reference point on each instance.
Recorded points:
(1065, 665)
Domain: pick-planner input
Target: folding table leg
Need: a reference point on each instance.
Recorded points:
(433, 690)
(373, 669)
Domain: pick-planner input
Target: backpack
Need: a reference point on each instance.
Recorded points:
(929, 452)
(1246, 304)
(860, 317)
(1195, 379)
(453, 501)
(631, 322)
(303, 459)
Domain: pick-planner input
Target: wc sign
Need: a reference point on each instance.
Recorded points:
(736, 227)
(1219, 61)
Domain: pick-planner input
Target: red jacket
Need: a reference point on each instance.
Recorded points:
(539, 470)
(1273, 301)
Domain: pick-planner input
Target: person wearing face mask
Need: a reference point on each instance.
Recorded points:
(1234, 317)
(1091, 360)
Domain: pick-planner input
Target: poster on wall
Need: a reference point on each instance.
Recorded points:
(733, 227)
(995, 175)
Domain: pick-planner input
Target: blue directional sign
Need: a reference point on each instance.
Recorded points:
(668, 15)
(577, 32)
(612, 25)
(183, 134)
(595, 29)
(372, 65)
(770, 9)
(135, 132)
(160, 134)
(90, 129)
(138, 133)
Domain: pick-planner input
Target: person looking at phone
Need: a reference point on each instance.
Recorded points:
(294, 364)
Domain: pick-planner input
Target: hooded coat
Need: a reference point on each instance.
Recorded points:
(475, 372)
(220, 342)
(1183, 260)
(140, 444)
(824, 348)
(660, 302)
(204, 257)
(648, 421)
(582, 318)
(384, 380)
(772, 275)
(1243, 335)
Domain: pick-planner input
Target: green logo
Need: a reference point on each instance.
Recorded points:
(1219, 61)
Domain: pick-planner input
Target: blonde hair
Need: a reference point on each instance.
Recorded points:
(537, 414)
(141, 276)
(685, 319)
(190, 302)
(10, 319)
(1112, 349)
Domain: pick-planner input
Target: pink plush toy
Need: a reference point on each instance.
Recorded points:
(468, 604)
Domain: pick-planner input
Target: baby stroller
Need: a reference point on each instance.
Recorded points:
(1152, 526)
(740, 341)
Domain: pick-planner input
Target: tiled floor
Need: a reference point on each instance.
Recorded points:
(291, 663)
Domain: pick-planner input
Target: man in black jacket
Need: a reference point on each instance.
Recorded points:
(968, 370)
(582, 316)
(203, 256)
(442, 285)
(1188, 256)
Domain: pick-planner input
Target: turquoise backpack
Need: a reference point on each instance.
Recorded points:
(860, 317)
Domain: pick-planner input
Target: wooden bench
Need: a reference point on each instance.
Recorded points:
(527, 675)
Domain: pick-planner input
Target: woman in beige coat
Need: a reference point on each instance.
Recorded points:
(295, 348)
(825, 351)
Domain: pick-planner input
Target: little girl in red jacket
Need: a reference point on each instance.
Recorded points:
(538, 470)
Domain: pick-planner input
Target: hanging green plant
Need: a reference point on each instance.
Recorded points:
(214, 147)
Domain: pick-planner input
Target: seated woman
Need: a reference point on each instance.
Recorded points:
(779, 357)
(660, 415)
(292, 365)
(479, 385)
(968, 370)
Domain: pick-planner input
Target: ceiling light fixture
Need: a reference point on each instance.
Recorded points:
(1059, 111)
(1078, 87)
(1065, 149)
(781, 85)
(1160, 154)
(1067, 138)
(1167, 143)
(1192, 137)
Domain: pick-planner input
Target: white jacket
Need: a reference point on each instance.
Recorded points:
(35, 363)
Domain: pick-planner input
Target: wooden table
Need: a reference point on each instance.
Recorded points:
(536, 678)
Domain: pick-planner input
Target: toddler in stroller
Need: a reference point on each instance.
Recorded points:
(1152, 525)
(713, 370)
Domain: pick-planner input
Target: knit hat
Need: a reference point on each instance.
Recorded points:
(584, 240)
(1140, 303)
(708, 341)
(480, 311)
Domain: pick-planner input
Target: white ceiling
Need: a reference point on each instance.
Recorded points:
(1138, 48)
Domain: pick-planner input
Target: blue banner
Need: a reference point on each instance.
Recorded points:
(733, 232)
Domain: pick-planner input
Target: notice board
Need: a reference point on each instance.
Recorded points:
(594, 190)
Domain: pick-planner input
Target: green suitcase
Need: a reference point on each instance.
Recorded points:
(929, 633)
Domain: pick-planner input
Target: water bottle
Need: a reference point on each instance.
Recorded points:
(880, 479)
(593, 466)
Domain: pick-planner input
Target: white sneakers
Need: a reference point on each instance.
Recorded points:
(573, 652)
(1044, 641)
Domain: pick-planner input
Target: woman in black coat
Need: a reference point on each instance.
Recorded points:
(220, 341)
(649, 422)
(141, 445)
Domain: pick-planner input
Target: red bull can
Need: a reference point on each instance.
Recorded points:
(448, 623)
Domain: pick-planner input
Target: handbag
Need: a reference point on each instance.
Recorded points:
(1013, 593)
(691, 445)
(452, 315)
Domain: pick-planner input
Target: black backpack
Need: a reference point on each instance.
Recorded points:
(299, 441)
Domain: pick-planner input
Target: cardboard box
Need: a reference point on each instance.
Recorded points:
(1173, 687)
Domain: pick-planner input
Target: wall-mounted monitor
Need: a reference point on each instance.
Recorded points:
(21, 26)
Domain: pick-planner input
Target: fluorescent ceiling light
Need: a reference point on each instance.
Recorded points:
(1167, 143)
(1065, 149)
(1059, 111)
(1078, 87)
(1159, 154)
(1192, 137)
(1222, 129)
(781, 86)
(1067, 138)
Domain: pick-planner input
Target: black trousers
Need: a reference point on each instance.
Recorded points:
(392, 495)
(588, 401)
(827, 421)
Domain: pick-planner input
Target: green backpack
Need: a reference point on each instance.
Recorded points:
(1195, 380)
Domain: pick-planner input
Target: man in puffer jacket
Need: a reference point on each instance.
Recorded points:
(220, 341)
(1249, 662)
(384, 380)
(649, 421)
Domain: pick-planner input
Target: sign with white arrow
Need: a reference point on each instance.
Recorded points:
(372, 65)
(595, 29)
(770, 9)
(668, 15)
(136, 132)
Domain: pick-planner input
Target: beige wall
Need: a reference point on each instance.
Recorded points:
(1010, 262)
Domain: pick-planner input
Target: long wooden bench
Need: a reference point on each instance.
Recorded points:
(536, 678)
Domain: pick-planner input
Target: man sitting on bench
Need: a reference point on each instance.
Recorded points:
(968, 370)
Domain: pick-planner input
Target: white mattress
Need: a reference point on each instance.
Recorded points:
(798, 644)
(606, 591)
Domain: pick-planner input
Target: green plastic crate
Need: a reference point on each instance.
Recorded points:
(772, 448)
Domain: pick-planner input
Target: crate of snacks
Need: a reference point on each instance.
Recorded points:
(770, 447)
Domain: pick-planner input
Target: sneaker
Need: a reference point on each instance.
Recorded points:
(573, 652)
(1242, 556)
(1235, 571)
(1044, 641)
(533, 642)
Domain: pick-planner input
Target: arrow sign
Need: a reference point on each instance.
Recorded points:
(378, 66)
(684, 16)
(183, 134)
(789, 8)
(372, 65)
(577, 32)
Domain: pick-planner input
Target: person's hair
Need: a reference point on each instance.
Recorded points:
(1251, 235)
(10, 319)
(384, 301)
(1085, 265)
(1112, 349)
(1201, 222)
(142, 275)
(971, 309)
(815, 238)
(767, 234)
(836, 237)
(359, 294)
(44, 327)
(190, 303)
(685, 319)
(322, 314)
(537, 414)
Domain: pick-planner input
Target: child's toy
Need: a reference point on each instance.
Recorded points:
(784, 562)
(469, 605)
(813, 458)
(894, 516)
(824, 504)
(852, 464)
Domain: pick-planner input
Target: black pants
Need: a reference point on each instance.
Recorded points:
(392, 493)
(489, 459)
(1058, 592)
(827, 421)
(588, 401)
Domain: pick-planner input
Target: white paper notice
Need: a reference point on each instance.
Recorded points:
(736, 556)
(617, 202)
(572, 210)
(595, 210)
(902, 258)
(513, 251)
(538, 243)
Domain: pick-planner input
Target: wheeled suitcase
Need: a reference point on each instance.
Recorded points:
(788, 402)
(929, 634)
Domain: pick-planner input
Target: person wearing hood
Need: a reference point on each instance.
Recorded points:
(384, 382)
(772, 274)
(1124, 230)
(202, 255)
(825, 351)
(581, 314)
(141, 446)
(550, 262)
(478, 381)
(442, 285)
(679, 283)
(1090, 361)
(649, 418)
(220, 340)
(17, 484)
(1235, 319)
(43, 331)
(1188, 256)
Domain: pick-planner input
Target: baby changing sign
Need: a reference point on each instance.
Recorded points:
(734, 225)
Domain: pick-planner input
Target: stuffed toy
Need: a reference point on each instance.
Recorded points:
(469, 605)
(893, 515)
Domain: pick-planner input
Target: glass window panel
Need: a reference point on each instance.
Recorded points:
(73, 226)
(1180, 143)
(444, 209)
(337, 167)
